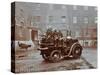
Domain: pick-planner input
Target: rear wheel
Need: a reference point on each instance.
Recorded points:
(55, 56)
(46, 57)
(76, 51)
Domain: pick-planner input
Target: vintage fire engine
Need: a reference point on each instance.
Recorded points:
(54, 46)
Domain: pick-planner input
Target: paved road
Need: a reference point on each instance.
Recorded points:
(33, 62)
(91, 56)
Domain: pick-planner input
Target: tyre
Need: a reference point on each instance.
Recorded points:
(76, 50)
(46, 57)
(55, 56)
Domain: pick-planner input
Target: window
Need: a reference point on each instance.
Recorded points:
(57, 7)
(85, 7)
(85, 20)
(36, 18)
(63, 18)
(51, 6)
(63, 6)
(86, 33)
(74, 19)
(74, 7)
(50, 18)
(77, 34)
(95, 20)
(37, 6)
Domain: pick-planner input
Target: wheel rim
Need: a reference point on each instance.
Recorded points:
(56, 56)
(77, 50)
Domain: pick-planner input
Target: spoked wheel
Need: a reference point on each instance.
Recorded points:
(55, 56)
(76, 51)
(46, 57)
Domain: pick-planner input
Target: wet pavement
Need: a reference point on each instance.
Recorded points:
(32, 61)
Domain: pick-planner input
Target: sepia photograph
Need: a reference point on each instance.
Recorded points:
(53, 37)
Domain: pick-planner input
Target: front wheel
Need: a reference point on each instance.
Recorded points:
(55, 56)
(76, 51)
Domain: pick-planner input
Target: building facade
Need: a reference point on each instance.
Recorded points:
(33, 19)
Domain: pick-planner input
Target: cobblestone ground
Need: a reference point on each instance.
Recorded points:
(31, 61)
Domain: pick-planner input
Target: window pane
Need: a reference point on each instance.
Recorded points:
(85, 7)
(36, 18)
(95, 20)
(51, 6)
(63, 18)
(50, 18)
(85, 20)
(63, 6)
(74, 19)
(74, 7)
(37, 6)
